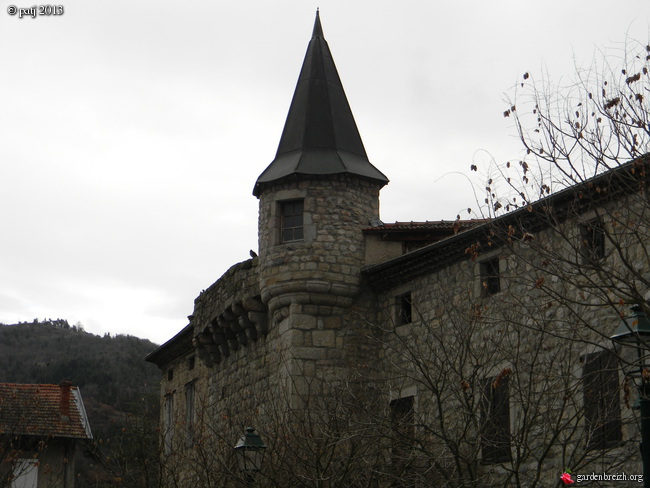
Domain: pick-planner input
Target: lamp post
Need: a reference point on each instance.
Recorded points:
(632, 344)
(250, 450)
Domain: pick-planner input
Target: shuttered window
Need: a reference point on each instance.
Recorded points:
(190, 414)
(601, 400)
(403, 436)
(495, 421)
(168, 424)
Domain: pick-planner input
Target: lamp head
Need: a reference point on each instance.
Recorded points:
(250, 449)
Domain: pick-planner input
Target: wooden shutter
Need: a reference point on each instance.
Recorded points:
(495, 421)
(601, 401)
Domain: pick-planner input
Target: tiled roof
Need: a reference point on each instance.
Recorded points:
(428, 225)
(43, 410)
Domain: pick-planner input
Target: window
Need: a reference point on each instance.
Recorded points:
(291, 214)
(592, 241)
(601, 398)
(168, 426)
(190, 414)
(495, 421)
(190, 363)
(490, 277)
(401, 417)
(25, 473)
(403, 309)
(170, 374)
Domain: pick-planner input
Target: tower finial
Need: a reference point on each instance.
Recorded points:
(318, 30)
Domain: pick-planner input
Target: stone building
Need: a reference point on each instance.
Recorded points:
(473, 353)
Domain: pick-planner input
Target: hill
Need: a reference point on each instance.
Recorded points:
(119, 389)
(108, 369)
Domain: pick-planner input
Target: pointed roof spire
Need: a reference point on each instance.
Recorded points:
(320, 136)
(318, 29)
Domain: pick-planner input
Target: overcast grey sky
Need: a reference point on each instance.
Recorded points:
(132, 132)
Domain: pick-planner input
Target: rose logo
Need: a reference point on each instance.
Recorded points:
(566, 477)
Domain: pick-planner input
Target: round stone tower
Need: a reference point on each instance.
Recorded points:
(315, 198)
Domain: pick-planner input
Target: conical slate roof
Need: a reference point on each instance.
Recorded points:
(320, 136)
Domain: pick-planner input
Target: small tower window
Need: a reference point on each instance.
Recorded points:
(292, 220)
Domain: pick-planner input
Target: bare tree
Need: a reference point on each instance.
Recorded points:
(573, 132)
(129, 456)
(572, 237)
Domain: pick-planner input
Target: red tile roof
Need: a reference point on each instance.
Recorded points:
(428, 225)
(44, 410)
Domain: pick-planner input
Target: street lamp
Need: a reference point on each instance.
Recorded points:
(632, 344)
(250, 450)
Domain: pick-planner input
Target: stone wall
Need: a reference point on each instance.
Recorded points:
(553, 309)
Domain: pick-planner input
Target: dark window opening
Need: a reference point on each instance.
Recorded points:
(401, 417)
(490, 277)
(190, 414)
(170, 374)
(168, 423)
(190, 363)
(404, 309)
(601, 399)
(495, 421)
(291, 214)
(592, 241)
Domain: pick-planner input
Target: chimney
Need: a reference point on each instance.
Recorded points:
(64, 405)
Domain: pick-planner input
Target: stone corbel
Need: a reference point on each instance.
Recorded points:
(219, 338)
(200, 343)
(233, 322)
(213, 353)
(228, 333)
(244, 322)
(260, 320)
(257, 314)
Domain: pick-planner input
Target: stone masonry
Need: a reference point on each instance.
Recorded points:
(481, 304)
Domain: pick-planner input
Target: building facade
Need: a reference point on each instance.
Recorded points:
(447, 353)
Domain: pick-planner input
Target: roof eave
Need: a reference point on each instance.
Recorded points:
(440, 254)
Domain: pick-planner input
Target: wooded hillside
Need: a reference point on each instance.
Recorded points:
(119, 389)
(108, 369)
